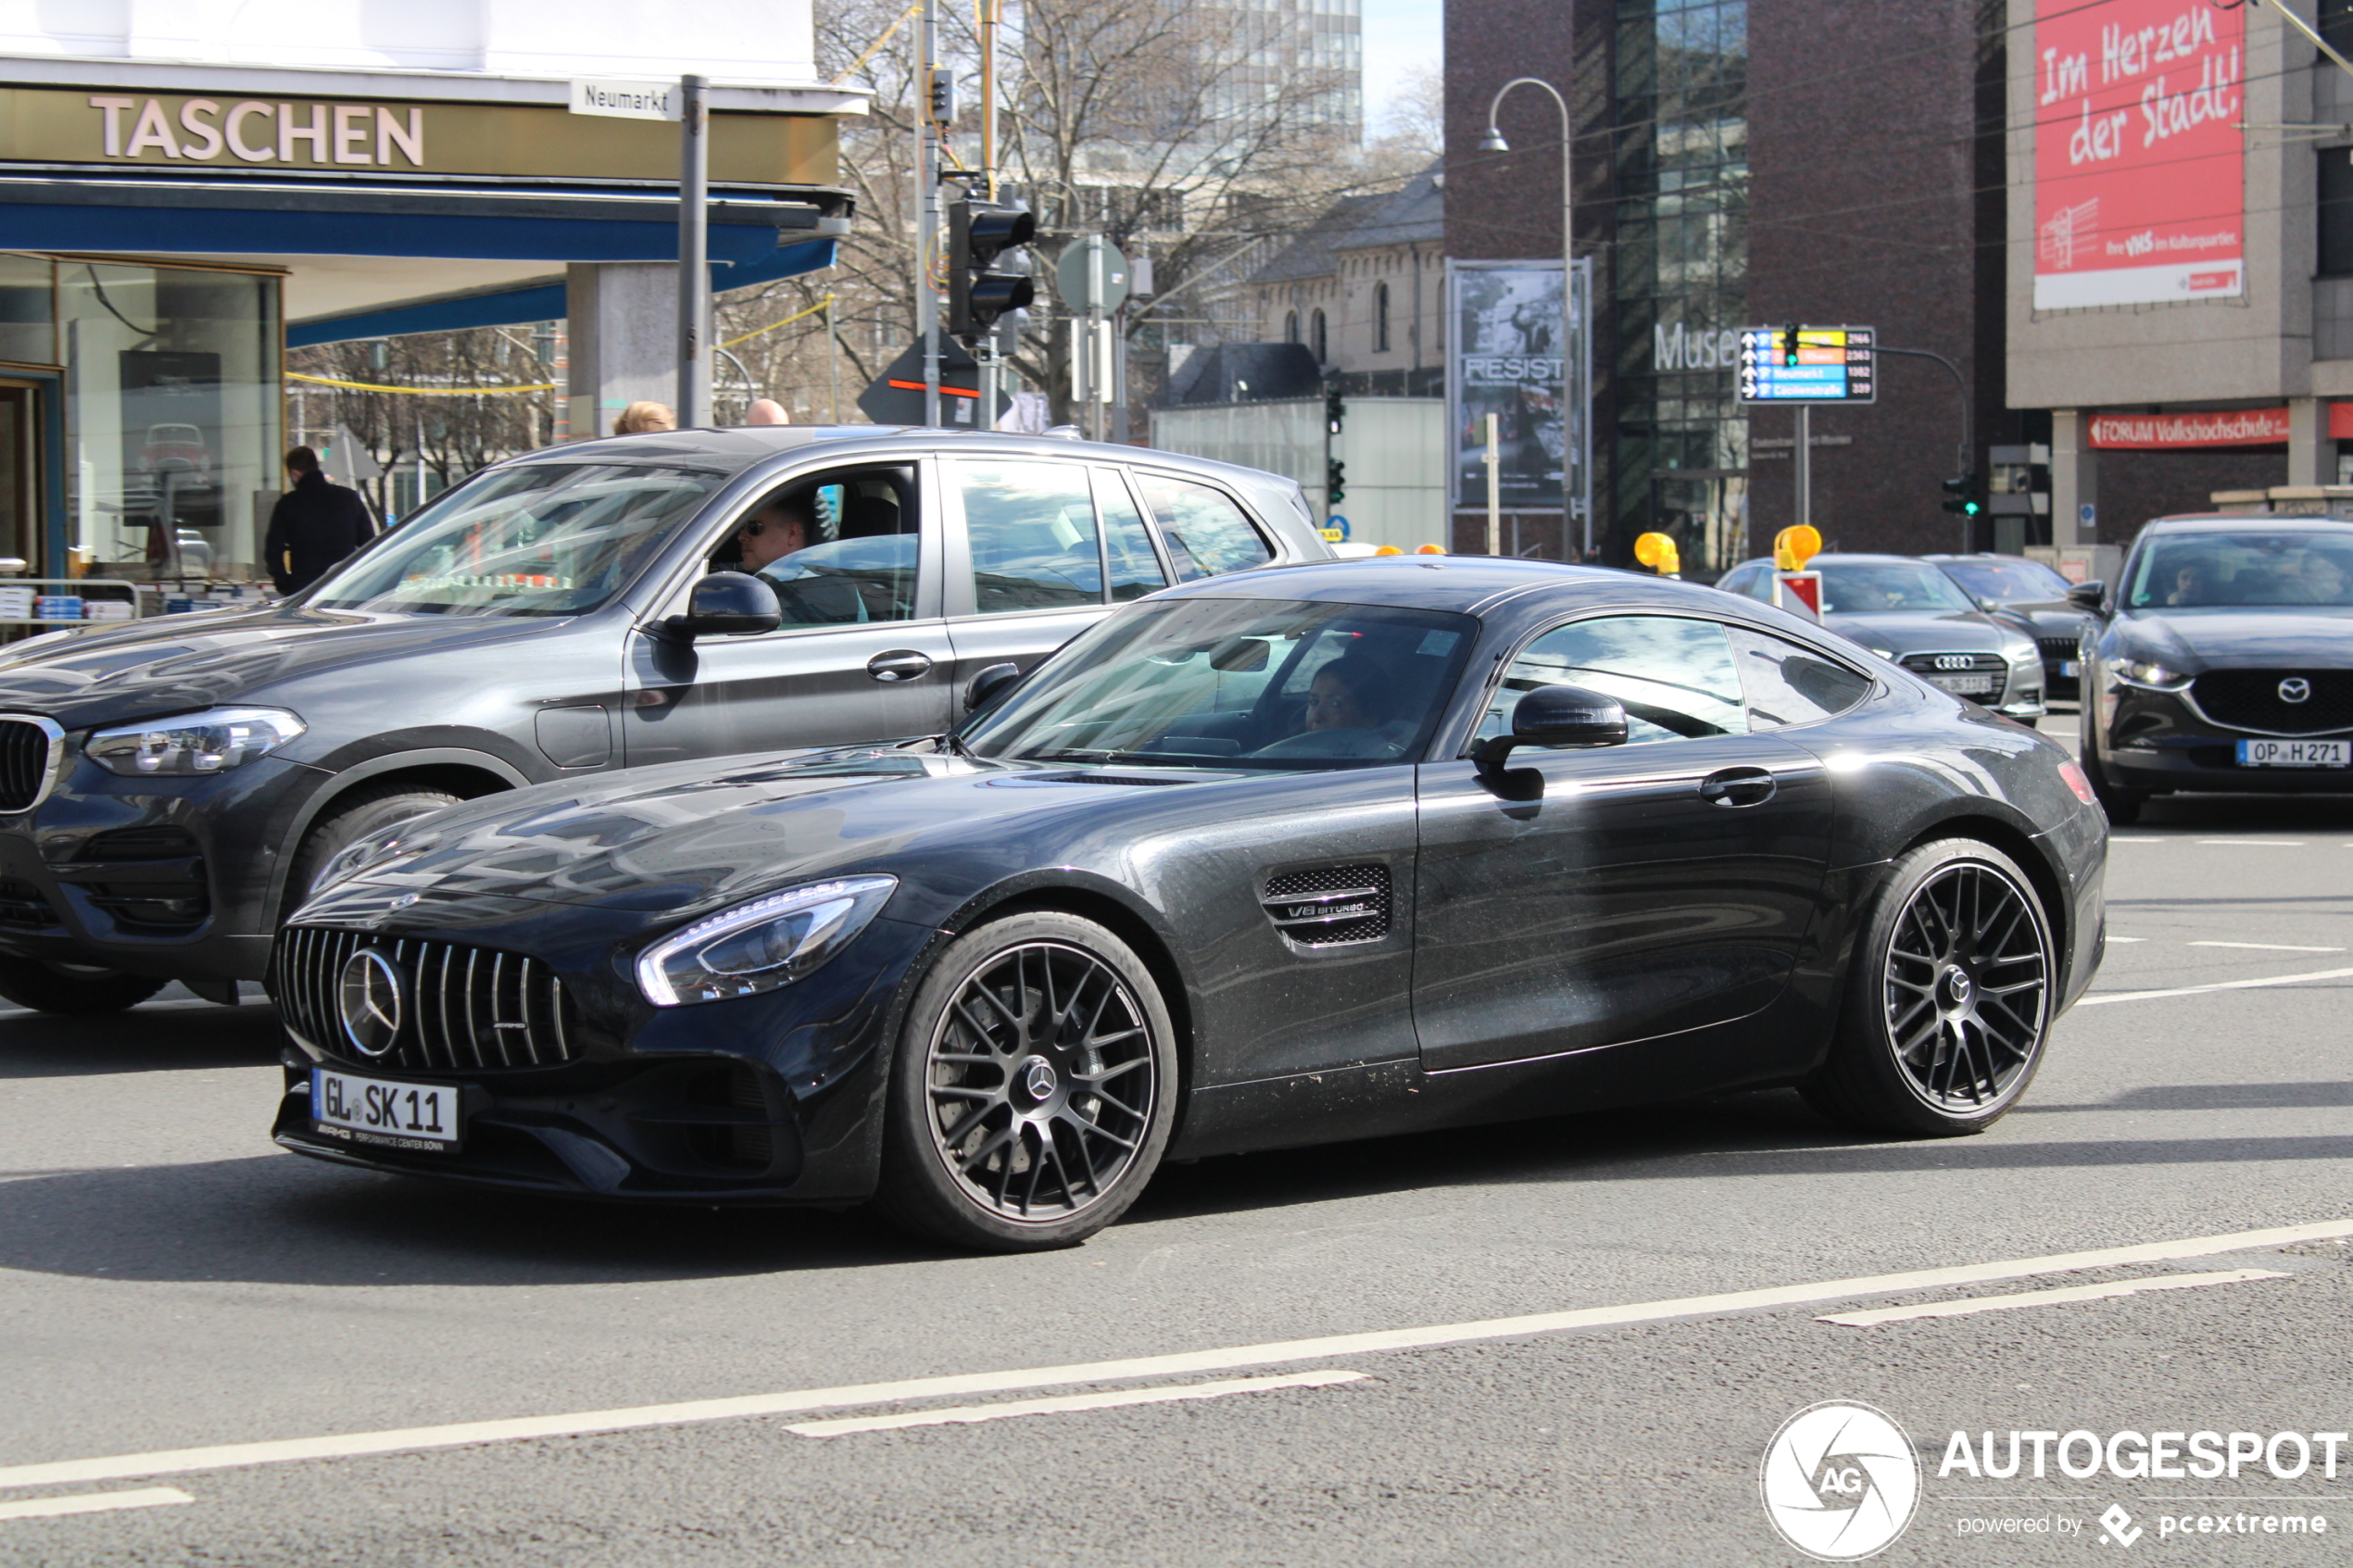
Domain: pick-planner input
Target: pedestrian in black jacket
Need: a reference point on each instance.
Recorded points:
(314, 525)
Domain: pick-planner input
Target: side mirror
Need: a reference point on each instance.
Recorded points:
(989, 685)
(727, 603)
(2088, 595)
(1555, 717)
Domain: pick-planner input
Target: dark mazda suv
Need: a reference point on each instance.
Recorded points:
(168, 789)
(2222, 660)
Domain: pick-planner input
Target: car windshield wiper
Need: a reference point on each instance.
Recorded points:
(956, 745)
(1104, 758)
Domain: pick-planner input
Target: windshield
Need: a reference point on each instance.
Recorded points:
(1236, 683)
(2009, 581)
(1873, 587)
(533, 539)
(2189, 570)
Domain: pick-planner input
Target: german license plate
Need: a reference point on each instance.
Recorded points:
(2292, 754)
(384, 1114)
(1964, 685)
(2069, 669)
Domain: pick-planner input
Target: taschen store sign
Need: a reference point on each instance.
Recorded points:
(230, 133)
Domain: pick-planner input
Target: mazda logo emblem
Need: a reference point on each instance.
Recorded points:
(2296, 688)
(368, 997)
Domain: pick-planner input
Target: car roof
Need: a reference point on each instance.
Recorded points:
(739, 447)
(2240, 522)
(1845, 558)
(1463, 585)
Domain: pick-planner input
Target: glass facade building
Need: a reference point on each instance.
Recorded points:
(1678, 277)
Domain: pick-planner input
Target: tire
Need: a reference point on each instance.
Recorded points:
(1920, 1052)
(1011, 1126)
(370, 810)
(82, 990)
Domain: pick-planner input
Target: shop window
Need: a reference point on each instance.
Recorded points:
(172, 416)
(28, 311)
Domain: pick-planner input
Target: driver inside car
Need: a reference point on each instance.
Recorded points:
(775, 531)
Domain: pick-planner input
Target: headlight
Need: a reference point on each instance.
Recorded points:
(2155, 677)
(211, 742)
(760, 945)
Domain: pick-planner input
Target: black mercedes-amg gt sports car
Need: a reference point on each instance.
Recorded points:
(1293, 856)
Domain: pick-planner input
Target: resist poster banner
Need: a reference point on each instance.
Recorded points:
(2139, 174)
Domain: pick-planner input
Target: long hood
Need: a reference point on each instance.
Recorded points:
(2282, 638)
(1917, 631)
(691, 836)
(181, 663)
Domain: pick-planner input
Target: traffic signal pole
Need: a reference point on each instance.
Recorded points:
(927, 212)
(694, 263)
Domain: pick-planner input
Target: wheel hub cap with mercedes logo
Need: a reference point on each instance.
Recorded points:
(368, 997)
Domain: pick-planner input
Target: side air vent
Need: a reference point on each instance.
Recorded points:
(1330, 907)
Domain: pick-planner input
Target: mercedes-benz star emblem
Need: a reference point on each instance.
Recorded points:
(1038, 1077)
(368, 995)
(2296, 688)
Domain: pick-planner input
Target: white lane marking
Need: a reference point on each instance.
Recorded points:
(2047, 1297)
(2257, 842)
(1064, 1403)
(227, 1456)
(2269, 946)
(2218, 986)
(2114, 939)
(93, 1502)
(2112, 838)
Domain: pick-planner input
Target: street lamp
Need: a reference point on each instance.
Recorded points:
(1493, 143)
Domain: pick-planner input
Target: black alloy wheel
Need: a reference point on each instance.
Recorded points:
(1033, 1093)
(1950, 1000)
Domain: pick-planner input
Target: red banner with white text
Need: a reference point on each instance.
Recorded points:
(2140, 188)
(2156, 432)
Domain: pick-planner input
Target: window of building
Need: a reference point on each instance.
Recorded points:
(1290, 327)
(2336, 213)
(1322, 344)
(1380, 318)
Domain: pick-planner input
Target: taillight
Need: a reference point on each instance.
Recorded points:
(2079, 783)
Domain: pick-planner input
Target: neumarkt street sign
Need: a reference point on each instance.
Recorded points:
(1794, 364)
(626, 100)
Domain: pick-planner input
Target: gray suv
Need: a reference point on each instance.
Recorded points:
(171, 788)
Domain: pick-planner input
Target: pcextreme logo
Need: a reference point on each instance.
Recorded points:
(1840, 1481)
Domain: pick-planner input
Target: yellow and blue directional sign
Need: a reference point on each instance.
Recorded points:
(1795, 364)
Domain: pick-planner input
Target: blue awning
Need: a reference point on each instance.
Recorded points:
(536, 300)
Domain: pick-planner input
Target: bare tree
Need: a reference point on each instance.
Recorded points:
(433, 417)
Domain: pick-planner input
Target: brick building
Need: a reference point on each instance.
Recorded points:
(1753, 161)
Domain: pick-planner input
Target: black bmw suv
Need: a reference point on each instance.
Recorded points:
(168, 789)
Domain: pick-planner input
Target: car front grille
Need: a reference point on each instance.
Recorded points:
(30, 750)
(1331, 906)
(1929, 666)
(462, 1008)
(2058, 648)
(2250, 699)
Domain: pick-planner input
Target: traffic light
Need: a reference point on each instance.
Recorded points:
(1788, 342)
(1335, 409)
(1335, 481)
(1960, 496)
(978, 231)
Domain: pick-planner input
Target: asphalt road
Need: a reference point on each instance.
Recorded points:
(169, 1281)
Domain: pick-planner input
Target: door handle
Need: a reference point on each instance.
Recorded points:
(1738, 787)
(898, 664)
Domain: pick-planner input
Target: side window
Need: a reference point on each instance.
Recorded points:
(1134, 570)
(1788, 685)
(1207, 534)
(839, 549)
(1675, 675)
(1031, 530)
(1746, 580)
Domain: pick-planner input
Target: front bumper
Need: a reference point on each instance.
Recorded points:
(762, 1100)
(2159, 742)
(169, 877)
